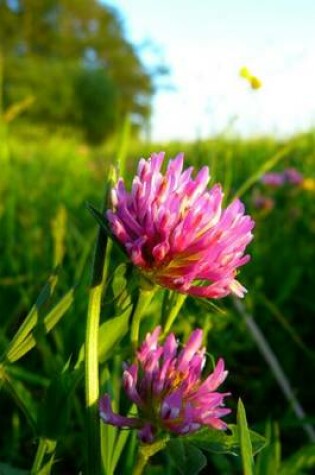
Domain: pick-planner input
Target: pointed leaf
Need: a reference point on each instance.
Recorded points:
(100, 218)
(102, 221)
(23, 398)
(245, 440)
(35, 314)
(41, 327)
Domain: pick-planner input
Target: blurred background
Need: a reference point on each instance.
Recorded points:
(229, 83)
(205, 45)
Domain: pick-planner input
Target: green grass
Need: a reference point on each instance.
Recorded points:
(46, 181)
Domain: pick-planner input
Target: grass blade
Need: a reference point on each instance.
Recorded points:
(34, 315)
(245, 441)
(268, 461)
(263, 169)
(18, 350)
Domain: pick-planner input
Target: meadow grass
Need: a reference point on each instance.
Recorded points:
(48, 234)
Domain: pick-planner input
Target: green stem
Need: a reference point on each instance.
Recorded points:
(92, 380)
(145, 297)
(91, 355)
(174, 310)
(145, 452)
(45, 446)
(141, 463)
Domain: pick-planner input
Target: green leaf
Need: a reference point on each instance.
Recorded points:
(100, 218)
(245, 440)
(187, 458)
(108, 436)
(58, 231)
(268, 461)
(119, 282)
(42, 326)
(102, 221)
(172, 305)
(34, 316)
(110, 334)
(303, 459)
(22, 397)
(21, 374)
(223, 442)
(125, 286)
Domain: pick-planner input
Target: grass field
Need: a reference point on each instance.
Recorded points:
(45, 182)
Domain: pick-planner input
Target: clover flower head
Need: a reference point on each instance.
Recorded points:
(176, 231)
(274, 179)
(165, 384)
(262, 202)
(293, 176)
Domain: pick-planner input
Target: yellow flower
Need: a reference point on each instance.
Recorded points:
(254, 81)
(308, 184)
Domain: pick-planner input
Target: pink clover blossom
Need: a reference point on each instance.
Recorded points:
(166, 386)
(176, 231)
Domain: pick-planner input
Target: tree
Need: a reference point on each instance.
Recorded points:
(85, 39)
(96, 92)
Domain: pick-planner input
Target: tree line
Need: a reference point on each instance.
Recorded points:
(71, 60)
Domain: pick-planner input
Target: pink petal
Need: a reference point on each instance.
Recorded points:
(110, 417)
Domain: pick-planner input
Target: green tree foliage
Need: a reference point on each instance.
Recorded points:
(50, 83)
(60, 51)
(96, 91)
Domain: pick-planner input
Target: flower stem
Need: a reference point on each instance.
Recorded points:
(145, 297)
(141, 463)
(145, 452)
(45, 446)
(174, 310)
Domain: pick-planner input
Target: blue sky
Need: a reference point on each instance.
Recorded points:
(206, 42)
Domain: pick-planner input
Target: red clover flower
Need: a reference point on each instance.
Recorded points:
(274, 179)
(290, 176)
(166, 386)
(176, 232)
